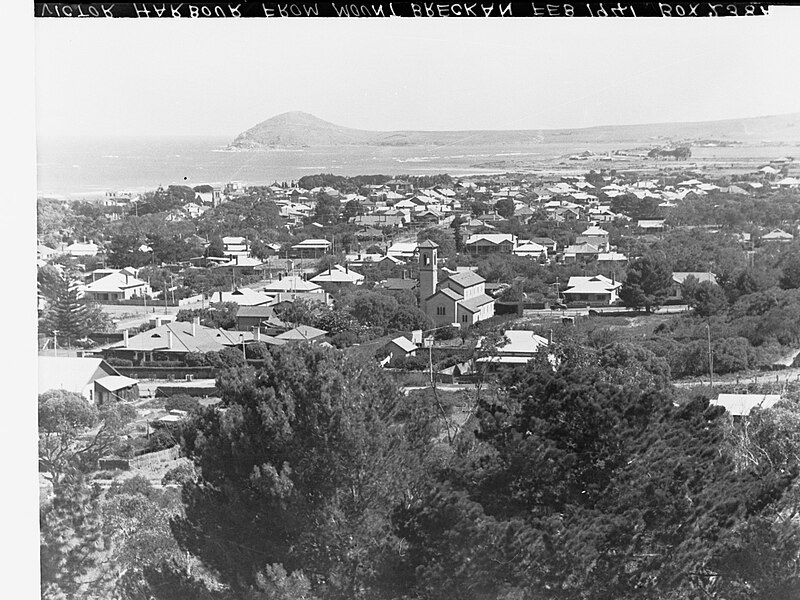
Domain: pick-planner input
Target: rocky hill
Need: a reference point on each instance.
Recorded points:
(302, 130)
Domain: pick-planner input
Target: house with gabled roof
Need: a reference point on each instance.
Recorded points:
(518, 348)
(490, 243)
(242, 296)
(679, 280)
(292, 284)
(597, 289)
(530, 249)
(173, 341)
(580, 252)
(263, 317)
(118, 285)
(302, 333)
(338, 275)
(233, 246)
(311, 248)
(651, 225)
(403, 250)
(82, 249)
(596, 236)
(399, 348)
(739, 406)
(92, 378)
(777, 235)
(549, 243)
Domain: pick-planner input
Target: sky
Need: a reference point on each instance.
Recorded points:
(218, 77)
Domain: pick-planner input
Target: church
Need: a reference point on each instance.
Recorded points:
(460, 299)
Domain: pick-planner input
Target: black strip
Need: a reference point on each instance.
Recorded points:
(543, 9)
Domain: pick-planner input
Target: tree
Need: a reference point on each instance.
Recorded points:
(647, 283)
(790, 271)
(70, 533)
(576, 484)
(68, 441)
(72, 316)
(326, 211)
(442, 237)
(505, 207)
(706, 298)
(373, 309)
(409, 318)
(219, 315)
(311, 466)
(352, 209)
(137, 534)
(458, 236)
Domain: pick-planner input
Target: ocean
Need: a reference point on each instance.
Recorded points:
(87, 167)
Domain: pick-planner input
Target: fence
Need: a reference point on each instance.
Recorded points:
(167, 373)
(143, 461)
(191, 300)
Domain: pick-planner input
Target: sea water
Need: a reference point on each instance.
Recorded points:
(84, 167)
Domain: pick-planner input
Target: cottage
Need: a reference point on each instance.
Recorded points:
(119, 285)
(403, 250)
(292, 284)
(242, 297)
(679, 280)
(398, 284)
(580, 252)
(530, 249)
(777, 236)
(311, 248)
(399, 348)
(651, 225)
(233, 246)
(338, 275)
(596, 236)
(173, 341)
(592, 290)
(740, 406)
(82, 249)
(302, 333)
(92, 378)
(249, 318)
(519, 349)
(490, 243)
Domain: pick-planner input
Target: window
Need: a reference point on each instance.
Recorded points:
(426, 259)
(441, 310)
(463, 318)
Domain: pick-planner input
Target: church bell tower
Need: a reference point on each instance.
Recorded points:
(427, 271)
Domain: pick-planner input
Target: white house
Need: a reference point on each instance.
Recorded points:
(597, 289)
(119, 285)
(740, 405)
(520, 348)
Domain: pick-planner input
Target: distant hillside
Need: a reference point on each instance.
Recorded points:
(299, 130)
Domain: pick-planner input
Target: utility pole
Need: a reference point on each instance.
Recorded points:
(710, 356)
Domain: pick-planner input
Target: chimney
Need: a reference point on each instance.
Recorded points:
(125, 335)
(346, 268)
(169, 339)
(195, 323)
(613, 278)
(280, 276)
(220, 295)
(258, 333)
